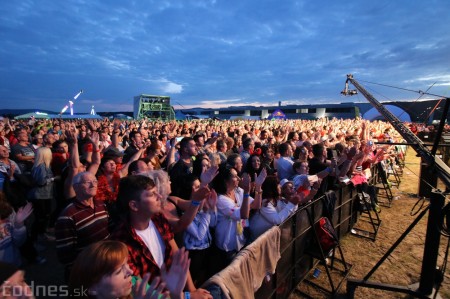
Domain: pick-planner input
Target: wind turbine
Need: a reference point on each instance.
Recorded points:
(70, 104)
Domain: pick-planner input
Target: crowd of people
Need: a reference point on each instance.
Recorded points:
(153, 209)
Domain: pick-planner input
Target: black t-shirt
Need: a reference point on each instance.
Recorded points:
(316, 166)
(129, 152)
(177, 174)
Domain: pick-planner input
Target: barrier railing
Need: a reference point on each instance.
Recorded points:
(297, 236)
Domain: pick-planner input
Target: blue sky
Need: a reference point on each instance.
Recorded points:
(218, 53)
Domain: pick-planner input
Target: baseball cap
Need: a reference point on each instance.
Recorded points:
(284, 181)
(300, 180)
(113, 152)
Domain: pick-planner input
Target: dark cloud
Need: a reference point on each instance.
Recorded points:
(198, 51)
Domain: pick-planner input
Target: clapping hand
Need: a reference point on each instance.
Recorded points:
(200, 194)
(261, 177)
(175, 278)
(12, 168)
(245, 183)
(153, 291)
(22, 214)
(208, 175)
(212, 199)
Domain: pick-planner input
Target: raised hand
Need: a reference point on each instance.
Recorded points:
(116, 124)
(175, 278)
(147, 143)
(246, 183)
(22, 214)
(200, 194)
(71, 136)
(95, 138)
(296, 198)
(12, 168)
(91, 125)
(207, 176)
(261, 177)
(212, 200)
(155, 290)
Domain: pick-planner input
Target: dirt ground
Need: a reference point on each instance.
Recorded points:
(403, 266)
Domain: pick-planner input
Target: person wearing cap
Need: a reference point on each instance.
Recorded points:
(287, 191)
(306, 185)
(272, 212)
(12, 282)
(116, 155)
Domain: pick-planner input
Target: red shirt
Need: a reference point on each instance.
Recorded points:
(104, 191)
(140, 258)
(58, 162)
(78, 226)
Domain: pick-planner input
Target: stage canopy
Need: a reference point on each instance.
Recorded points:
(277, 114)
(401, 114)
(41, 115)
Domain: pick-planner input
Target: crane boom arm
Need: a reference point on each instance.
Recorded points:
(443, 171)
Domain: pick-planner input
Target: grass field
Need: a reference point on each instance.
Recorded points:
(403, 266)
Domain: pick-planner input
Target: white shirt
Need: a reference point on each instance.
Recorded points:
(154, 242)
(230, 226)
(269, 216)
(197, 235)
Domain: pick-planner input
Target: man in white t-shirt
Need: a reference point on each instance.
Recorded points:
(146, 232)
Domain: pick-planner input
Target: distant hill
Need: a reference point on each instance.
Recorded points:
(14, 112)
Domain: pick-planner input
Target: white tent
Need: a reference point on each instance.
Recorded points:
(401, 114)
(35, 115)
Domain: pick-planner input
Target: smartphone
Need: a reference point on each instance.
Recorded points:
(178, 139)
(335, 154)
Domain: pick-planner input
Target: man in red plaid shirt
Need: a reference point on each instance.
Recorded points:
(146, 232)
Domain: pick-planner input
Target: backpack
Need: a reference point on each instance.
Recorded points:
(326, 234)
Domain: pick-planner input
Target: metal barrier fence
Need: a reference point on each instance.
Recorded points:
(297, 236)
(297, 241)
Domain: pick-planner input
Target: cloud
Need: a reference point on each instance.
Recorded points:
(164, 85)
(170, 87)
(241, 53)
(115, 64)
(92, 102)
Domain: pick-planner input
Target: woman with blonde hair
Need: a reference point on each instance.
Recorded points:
(42, 193)
(101, 271)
